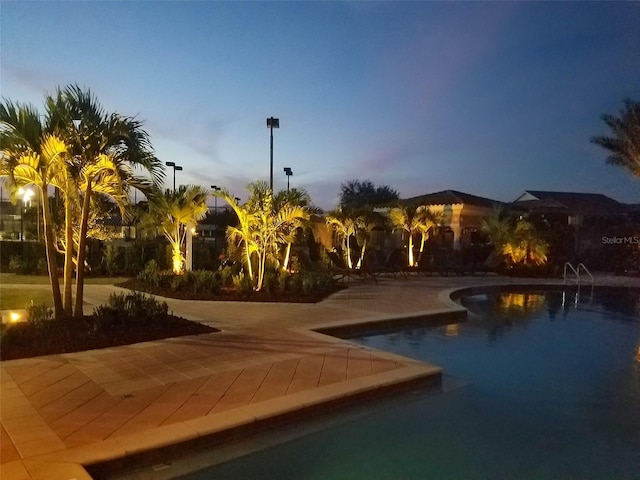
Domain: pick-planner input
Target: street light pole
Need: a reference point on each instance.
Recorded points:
(25, 194)
(215, 189)
(175, 167)
(288, 172)
(271, 124)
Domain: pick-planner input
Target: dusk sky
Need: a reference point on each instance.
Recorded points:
(487, 98)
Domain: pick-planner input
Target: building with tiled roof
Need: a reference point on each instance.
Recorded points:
(462, 213)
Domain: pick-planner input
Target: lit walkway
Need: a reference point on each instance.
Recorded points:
(60, 412)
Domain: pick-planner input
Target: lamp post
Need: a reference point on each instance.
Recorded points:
(288, 172)
(215, 188)
(271, 124)
(25, 194)
(175, 167)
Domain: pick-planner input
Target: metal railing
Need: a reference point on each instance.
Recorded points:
(576, 271)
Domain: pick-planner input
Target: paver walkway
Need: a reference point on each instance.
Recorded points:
(60, 412)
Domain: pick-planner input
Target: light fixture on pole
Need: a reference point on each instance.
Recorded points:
(25, 194)
(288, 172)
(271, 124)
(175, 167)
(215, 189)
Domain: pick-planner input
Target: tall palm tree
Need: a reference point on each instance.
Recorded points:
(498, 226)
(295, 197)
(345, 226)
(624, 142)
(242, 234)
(274, 227)
(411, 220)
(179, 211)
(28, 155)
(430, 220)
(262, 227)
(105, 148)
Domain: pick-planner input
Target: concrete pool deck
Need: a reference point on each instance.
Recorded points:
(60, 413)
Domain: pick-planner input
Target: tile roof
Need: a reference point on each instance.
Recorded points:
(450, 197)
(576, 203)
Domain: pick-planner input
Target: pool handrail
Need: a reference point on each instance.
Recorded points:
(576, 271)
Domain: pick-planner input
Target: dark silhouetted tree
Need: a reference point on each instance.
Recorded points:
(624, 142)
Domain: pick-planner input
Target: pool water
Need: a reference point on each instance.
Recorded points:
(537, 385)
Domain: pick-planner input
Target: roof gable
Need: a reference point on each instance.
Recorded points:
(573, 202)
(452, 197)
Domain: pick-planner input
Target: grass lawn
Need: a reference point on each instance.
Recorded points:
(13, 296)
(15, 279)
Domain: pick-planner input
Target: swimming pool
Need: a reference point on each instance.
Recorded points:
(537, 385)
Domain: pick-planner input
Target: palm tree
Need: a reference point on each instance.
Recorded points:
(345, 226)
(274, 227)
(366, 221)
(624, 142)
(498, 226)
(297, 197)
(524, 245)
(518, 241)
(105, 148)
(412, 220)
(179, 212)
(28, 155)
(242, 234)
(262, 227)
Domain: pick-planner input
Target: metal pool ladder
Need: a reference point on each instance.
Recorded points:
(576, 271)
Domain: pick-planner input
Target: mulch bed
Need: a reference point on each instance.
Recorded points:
(25, 340)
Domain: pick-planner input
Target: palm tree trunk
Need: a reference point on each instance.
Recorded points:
(361, 259)
(248, 255)
(82, 242)
(349, 263)
(52, 262)
(286, 257)
(411, 250)
(68, 259)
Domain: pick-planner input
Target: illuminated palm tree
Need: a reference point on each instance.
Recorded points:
(518, 241)
(179, 211)
(295, 197)
(28, 155)
(412, 220)
(274, 228)
(524, 245)
(366, 221)
(104, 150)
(262, 227)
(624, 142)
(345, 226)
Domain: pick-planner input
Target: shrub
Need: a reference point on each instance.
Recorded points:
(39, 313)
(295, 283)
(135, 307)
(205, 281)
(226, 275)
(242, 283)
(150, 274)
(42, 267)
(16, 265)
(178, 281)
(270, 282)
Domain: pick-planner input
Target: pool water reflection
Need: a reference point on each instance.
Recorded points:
(534, 389)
